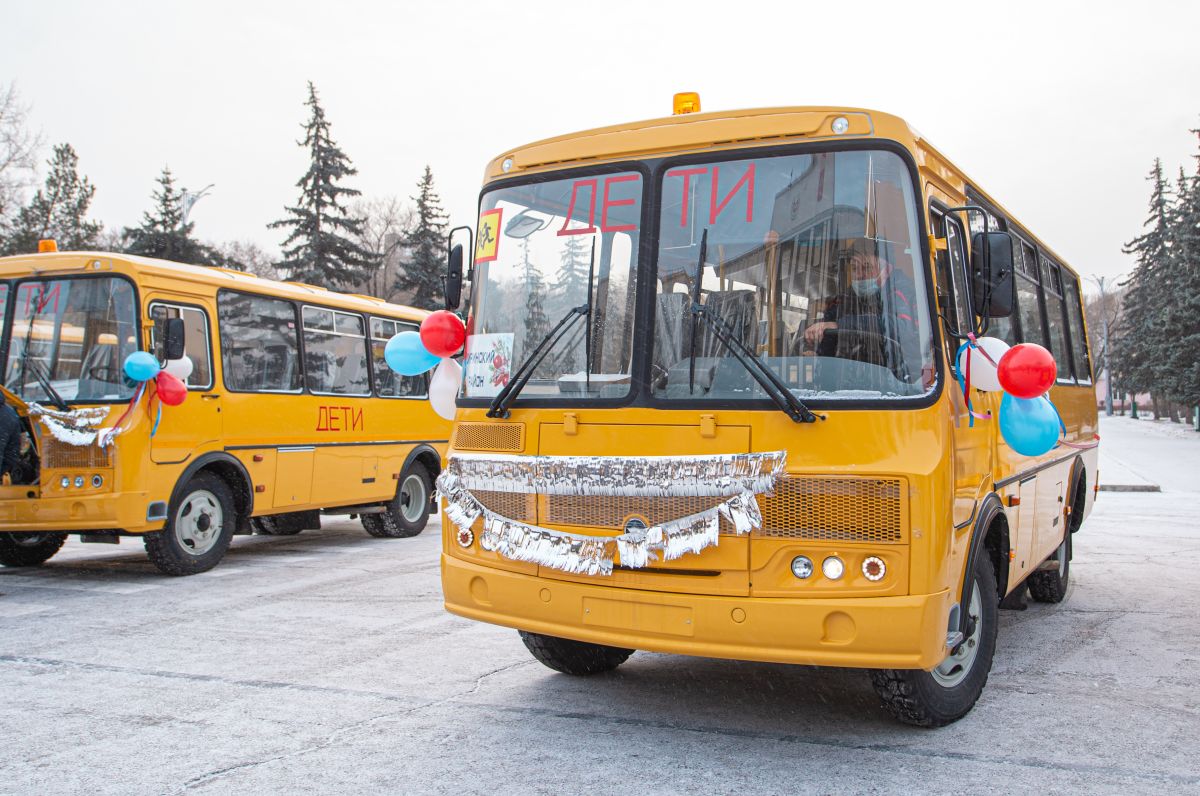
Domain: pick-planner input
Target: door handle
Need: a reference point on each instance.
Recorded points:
(208, 396)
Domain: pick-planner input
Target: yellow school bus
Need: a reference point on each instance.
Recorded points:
(710, 405)
(290, 410)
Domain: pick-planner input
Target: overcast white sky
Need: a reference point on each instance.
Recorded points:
(1056, 108)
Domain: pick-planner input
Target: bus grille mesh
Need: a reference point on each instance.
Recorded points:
(613, 511)
(521, 506)
(844, 509)
(59, 455)
(490, 437)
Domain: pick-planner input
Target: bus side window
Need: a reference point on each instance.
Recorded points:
(335, 352)
(195, 340)
(260, 348)
(1056, 322)
(1029, 308)
(389, 383)
(1079, 343)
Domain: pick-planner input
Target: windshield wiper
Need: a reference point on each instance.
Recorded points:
(772, 385)
(499, 407)
(48, 388)
(27, 363)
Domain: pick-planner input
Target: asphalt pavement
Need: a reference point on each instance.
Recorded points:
(325, 663)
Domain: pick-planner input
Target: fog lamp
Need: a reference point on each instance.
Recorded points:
(833, 568)
(802, 567)
(873, 568)
(97, 480)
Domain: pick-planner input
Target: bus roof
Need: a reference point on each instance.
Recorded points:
(143, 268)
(737, 129)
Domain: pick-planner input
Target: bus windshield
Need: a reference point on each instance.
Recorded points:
(75, 335)
(544, 249)
(811, 260)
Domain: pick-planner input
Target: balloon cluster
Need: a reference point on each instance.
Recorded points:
(1029, 422)
(142, 367)
(442, 335)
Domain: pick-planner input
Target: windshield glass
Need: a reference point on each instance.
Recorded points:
(77, 333)
(811, 260)
(543, 249)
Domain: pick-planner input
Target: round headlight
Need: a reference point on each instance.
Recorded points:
(802, 567)
(873, 568)
(79, 482)
(833, 568)
(65, 483)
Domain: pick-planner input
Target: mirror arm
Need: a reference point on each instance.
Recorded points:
(470, 254)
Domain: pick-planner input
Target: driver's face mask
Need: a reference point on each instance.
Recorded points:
(865, 288)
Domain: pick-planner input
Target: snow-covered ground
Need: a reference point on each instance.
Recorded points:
(324, 663)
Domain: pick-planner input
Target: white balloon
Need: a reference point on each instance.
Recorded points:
(983, 373)
(180, 368)
(444, 386)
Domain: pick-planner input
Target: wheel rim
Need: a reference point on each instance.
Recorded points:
(198, 522)
(28, 539)
(412, 498)
(958, 664)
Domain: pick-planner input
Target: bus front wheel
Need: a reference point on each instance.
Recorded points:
(573, 657)
(199, 527)
(407, 513)
(29, 549)
(948, 692)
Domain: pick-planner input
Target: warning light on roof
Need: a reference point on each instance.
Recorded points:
(687, 102)
(47, 245)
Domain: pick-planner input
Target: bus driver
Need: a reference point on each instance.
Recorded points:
(871, 321)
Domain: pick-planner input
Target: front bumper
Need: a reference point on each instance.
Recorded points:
(120, 510)
(872, 632)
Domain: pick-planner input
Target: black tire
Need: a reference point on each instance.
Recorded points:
(270, 526)
(573, 657)
(946, 694)
(200, 525)
(29, 549)
(1050, 585)
(407, 514)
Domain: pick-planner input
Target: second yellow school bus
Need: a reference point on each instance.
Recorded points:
(710, 405)
(290, 411)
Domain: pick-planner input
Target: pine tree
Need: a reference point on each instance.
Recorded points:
(536, 322)
(58, 210)
(1182, 321)
(163, 233)
(573, 273)
(321, 247)
(1137, 348)
(422, 274)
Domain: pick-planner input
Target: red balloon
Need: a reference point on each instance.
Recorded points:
(443, 333)
(1027, 371)
(171, 391)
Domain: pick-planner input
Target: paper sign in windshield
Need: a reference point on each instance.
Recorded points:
(488, 364)
(487, 239)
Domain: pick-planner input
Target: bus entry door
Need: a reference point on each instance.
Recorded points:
(183, 429)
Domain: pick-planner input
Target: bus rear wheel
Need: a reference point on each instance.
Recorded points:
(1050, 585)
(407, 513)
(29, 549)
(199, 528)
(948, 692)
(573, 657)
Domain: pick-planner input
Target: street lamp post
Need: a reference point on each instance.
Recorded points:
(188, 199)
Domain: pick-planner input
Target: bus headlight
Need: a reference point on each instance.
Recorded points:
(833, 568)
(65, 483)
(97, 481)
(79, 482)
(802, 567)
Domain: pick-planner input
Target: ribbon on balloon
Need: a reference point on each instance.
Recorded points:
(142, 368)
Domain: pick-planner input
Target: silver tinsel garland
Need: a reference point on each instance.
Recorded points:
(738, 477)
(76, 427)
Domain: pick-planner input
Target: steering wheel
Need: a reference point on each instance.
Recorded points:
(847, 337)
(104, 373)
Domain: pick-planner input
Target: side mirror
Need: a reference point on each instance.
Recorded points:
(170, 333)
(454, 277)
(992, 274)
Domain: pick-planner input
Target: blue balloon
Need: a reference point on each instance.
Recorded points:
(141, 366)
(1029, 425)
(407, 355)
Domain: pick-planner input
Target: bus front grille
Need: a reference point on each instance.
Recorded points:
(613, 511)
(839, 509)
(490, 437)
(59, 455)
(520, 506)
